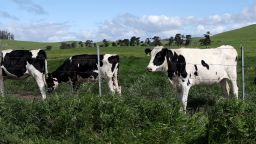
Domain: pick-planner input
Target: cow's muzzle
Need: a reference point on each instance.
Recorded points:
(49, 90)
(149, 69)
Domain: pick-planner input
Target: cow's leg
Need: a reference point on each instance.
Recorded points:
(40, 80)
(75, 85)
(117, 87)
(225, 87)
(182, 96)
(1, 83)
(110, 85)
(234, 88)
(233, 78)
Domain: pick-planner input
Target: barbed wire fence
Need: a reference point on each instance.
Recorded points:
(245, 80)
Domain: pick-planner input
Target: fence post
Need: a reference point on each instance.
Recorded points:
(243, 85)
(1, 76)
(99, 73)
(254, 82)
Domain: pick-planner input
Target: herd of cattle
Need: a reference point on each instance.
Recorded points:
(185, 67)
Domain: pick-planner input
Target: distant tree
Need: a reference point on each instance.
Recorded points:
(73, 44)
(156, 41)
(81, 44)
(114, 44)
(137, 41)
(48, 47)
(170, 41)
(206, 40)
(147, 41)
(105, 43)
(178, 39)
(6, 35)
(88, 43)
(63, 45)
(188, 40)
(134, 41)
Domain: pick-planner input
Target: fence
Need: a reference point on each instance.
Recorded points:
(243, 83)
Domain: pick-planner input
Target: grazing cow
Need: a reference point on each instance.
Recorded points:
(187, 67)
(80, 68)
(19, 64)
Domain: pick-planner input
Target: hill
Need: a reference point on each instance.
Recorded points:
(243, 34)
(14, 44)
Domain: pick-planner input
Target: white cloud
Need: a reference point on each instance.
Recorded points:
(42, 31)
(6, 15)
(30, 6)
(127, 25)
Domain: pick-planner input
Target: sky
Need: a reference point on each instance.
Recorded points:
(81, 20)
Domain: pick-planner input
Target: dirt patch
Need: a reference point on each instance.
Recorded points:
(26, 95)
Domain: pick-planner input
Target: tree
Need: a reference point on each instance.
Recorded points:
(134, 41)
(6, 35)
(178, 40)
(88, 43)
(170, 41)
(73, 44)
(48, 47)
(63, 45)
(207, 40)
(147, 41)
(81, 44)
(156, 41)
(114, 44)
(105, 43)
(188, 40)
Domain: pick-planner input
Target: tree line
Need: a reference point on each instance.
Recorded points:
(6, 35)
(178, 40)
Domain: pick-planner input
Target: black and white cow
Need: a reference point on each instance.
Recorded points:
(19, 64)
(82, 68)
(187, 67)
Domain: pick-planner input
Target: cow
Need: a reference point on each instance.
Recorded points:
(19, 64)
(187, 67)
(84, 68)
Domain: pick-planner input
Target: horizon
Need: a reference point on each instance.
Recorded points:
(50, 21)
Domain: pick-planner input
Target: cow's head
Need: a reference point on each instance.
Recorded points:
(52, 83)
(158, 59)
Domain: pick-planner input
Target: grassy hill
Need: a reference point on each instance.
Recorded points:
(243, 34)
(14, 44)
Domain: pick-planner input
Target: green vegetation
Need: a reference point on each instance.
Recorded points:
(147, 111)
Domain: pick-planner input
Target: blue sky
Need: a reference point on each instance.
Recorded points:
(59, 20)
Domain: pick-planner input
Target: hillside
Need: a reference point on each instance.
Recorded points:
(247, 33)
(14, 44)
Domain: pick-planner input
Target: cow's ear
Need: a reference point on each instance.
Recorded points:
(147, 51)
(165, 50)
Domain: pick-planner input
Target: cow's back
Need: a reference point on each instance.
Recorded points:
(208, 66)
(214, 56)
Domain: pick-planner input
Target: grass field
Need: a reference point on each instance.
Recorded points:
(147, 111)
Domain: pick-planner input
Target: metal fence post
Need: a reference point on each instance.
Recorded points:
(243, 85)
(99, 73)
(1, 76)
